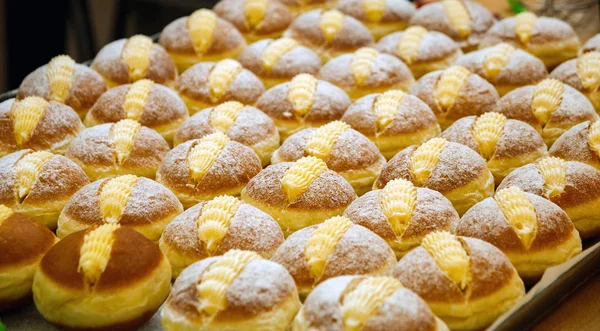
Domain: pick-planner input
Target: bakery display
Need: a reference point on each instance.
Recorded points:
(550, 39)
(202, 36)
(469, 283)
(533, 232)
(128, 200)
(237, 291)
(344, 150)
(298, 7)
(593, 44)
(256, 19)
(551, 107)
(464, 21)
(367, 71)
(34, 123)
(381, 17)
(505, 144)
(454, 170)
(572, 185)
(215, 227)
(454, 93)
(403, 214)
(303, 102)
(329, 33)
(23, 243)
(583, 74)
(276, 61)
(152, 105)
(423, 51)
(110, 277)
(505, 66)
(393, 120)
(121, 148)
(299, 194)
(580, 143)
(365, 303)
(208, 84)
(244, 124)
(39, 184)
(202, 169)
(126, 61)
(336, 247)
(64, 81)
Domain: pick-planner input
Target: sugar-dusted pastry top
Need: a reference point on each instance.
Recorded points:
(62, 80)
(579, 143)
(582, 73)
(377, 11)
(262, 17)
(593, 44)
(417, 45)
(216, 82)
(279, 58)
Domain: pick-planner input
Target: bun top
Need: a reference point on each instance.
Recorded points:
(262, 17)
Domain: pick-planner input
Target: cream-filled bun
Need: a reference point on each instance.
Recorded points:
(39, 184)
(505, 144)
(365, 303)
(580, 143)
(381, 17)
(244, 124)
(453, 169)
(344, 150)
(298, 7)
(64, 81)
(393, 120)
(336, 247)
(303, 102)
(299, 194)
(202, 169)
(403, 214)
(34, 123)
(583, 74)
(121, 148)
(573, 186)
(23, 243)
(469, 282)
(136, 202)
(237, 291)
(107, 278)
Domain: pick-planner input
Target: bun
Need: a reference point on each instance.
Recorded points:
(380, 17)
(582, 75)
(298, 7)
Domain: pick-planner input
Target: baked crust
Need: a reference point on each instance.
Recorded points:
(573, 146)
(593, 44)
(277, 17)
(394, 11)
(567, 73)
(23, 242)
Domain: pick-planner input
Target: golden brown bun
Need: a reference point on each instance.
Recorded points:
(23, 243)
(574, 145)
(475, 97)
(86, 87)
(522, 69)
(298, 60)
(573, 109)
(148, 208)
(493, 285)
(226, 42)
(461, 175)
(432, 212)
(386, 73)
(95, 151)
(110, 64)
(262, 296)
(329, 307)
(298, 7)
(435, 51)
(518, 144)
(251, 127)
(163, 110)
(58, 125)
(194, 88)
(433, 17)
(392, 16)
(413, 123)
(231, 170)
(357, 252)
(128, 290)
(249, 229)
(329, 103)
(351, 36)
(552, 40)
(328, 195)
(353, 156)
(57, 180)
(567, 73)
(275, 18)
(593, 44)
(555, 239)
